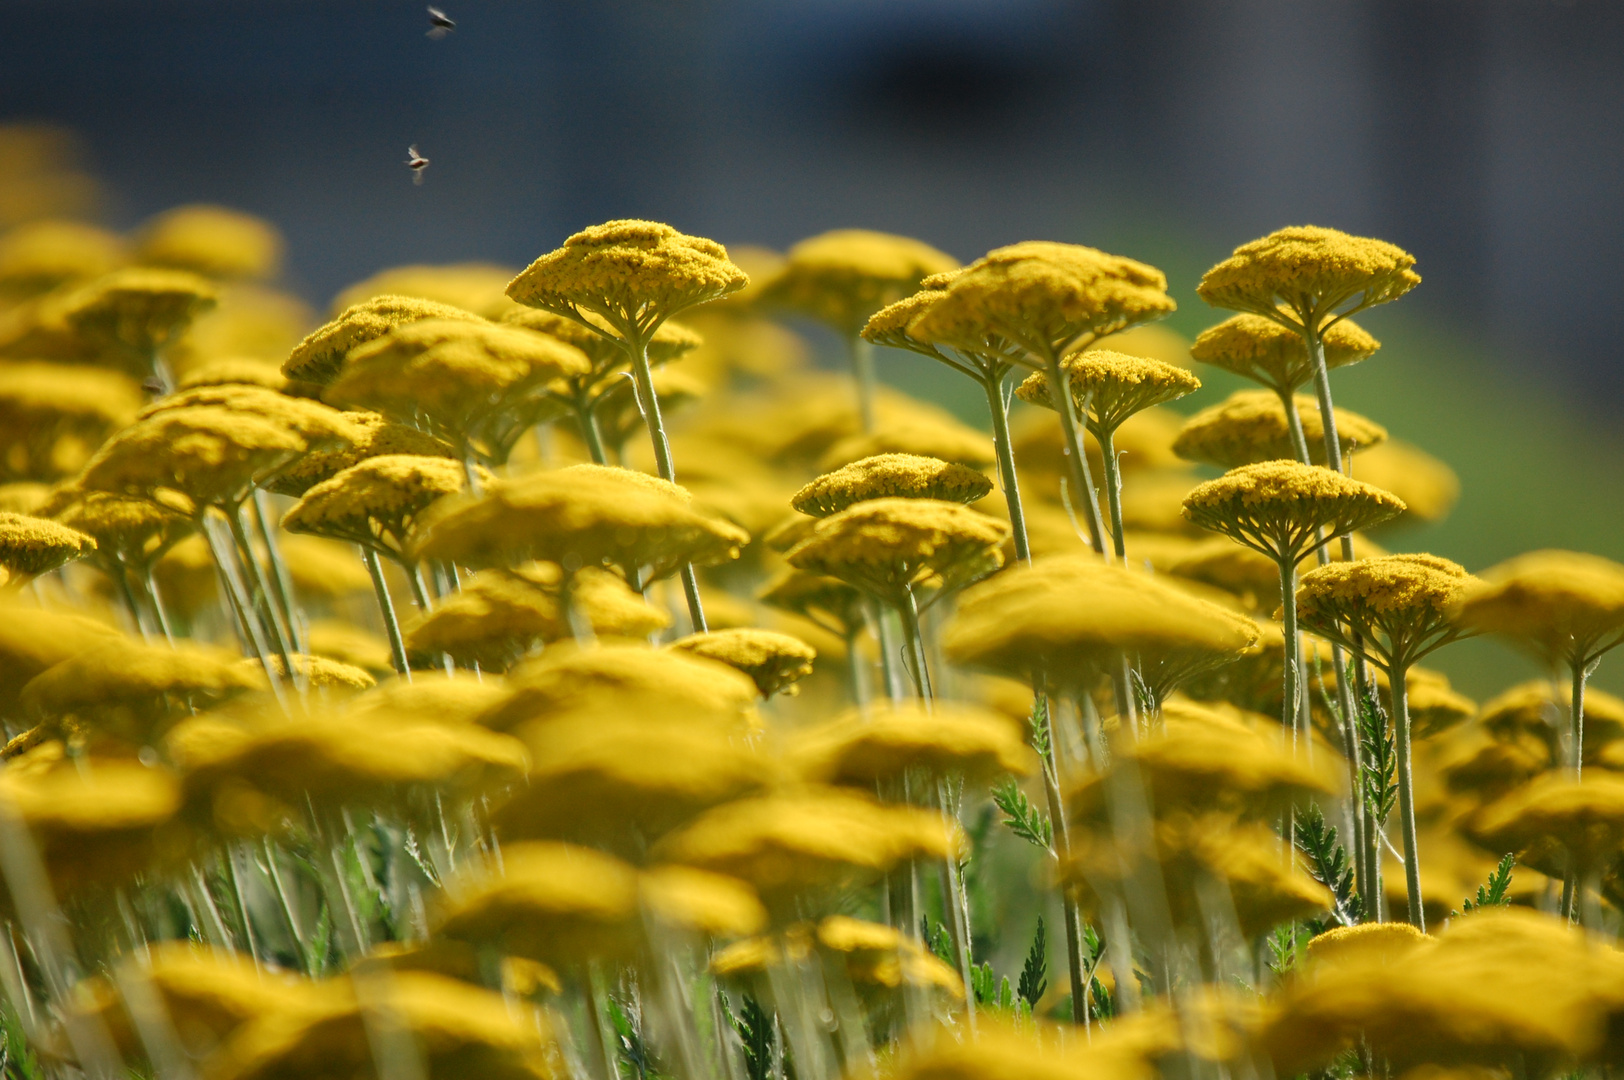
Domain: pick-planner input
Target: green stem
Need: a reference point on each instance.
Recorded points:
(1322, 390)
(886, 634)
(256, 580)
(958, 911)
(414, 580)
(286, 902)
(121, 579)
(1399, 697)
(854, 665)
(1576, 732)
(1294, 426)
(1113, 490)
(908, 611)
(862, 370)
(649, 403)
(151, 585)
(281, 580)
(253, 635)
(1076, 455)
(1005, 449)
(397, 644)
(1060, 848)
(1288, 607)
(586, 416)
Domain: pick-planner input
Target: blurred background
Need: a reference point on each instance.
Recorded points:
(1485, 136)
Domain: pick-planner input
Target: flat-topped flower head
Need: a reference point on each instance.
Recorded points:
(31, 546)
(377, 502)
(1401, 605)
(1584, 819)
(1114, 386)
(890, 546)
(584, 516)
(126, 530)
(1276, 507)
(53, 416)
(1304, 274)
(775, 662)
(922, 435)
(211, 240)
(1270, 353)
(373, 435)
(320, 356)
(1045, 297)
(889, 326)
(1563, 604)
(478, 287)
(888, 476)
(499, 616)
(137, 309)
(1539, 708)
(210, 454)
(1429, 487)
(320, 426)
(1251, 426)
(1014, 625)
(463, 379)
(826, 601)
(41, 255)
(885, 741)
(840, 278)
(635, 274)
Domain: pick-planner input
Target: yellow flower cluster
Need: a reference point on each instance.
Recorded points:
(547, 674)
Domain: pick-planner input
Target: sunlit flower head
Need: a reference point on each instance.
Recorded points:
(321, 355)
(1251, 426)
(472, 286)
(1113, 385)
(887, 476)
(1399, 606)
(1277, 507)
(211, 240)
(1306, 274)
(840, 278)
(1270, 353)
(775, 662)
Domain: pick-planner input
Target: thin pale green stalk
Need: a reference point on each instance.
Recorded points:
(253, 637)
(1076, 455)
(862, 371)
(259, 591)
(397, 643)
(1004, 447)
(1399, 696)
(1113, 491)
(586, 416)
(1576, 733)
(157, 601)
(281, 580)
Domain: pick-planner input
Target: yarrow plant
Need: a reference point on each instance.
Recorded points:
(615, 796)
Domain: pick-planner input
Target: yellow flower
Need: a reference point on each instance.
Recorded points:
(891, 476)
(430, 697)
(471, 286)
(137, 309)
(321, 672)
(890, 547)
(635, 274)
(212, 241)
(377, 502)
(26, 497)
(1014, 625)
(318, 425)
(250, 321)
(350, 644)
(1399, 605)
(1302, 275)
(374, 436)
(212, 455)
(583, 516)
(1380, 941)
(1251, 426)
(670, 342)
(624, 678)
(842, 277)
(868, 746)
(1540, 708)
(321, 355)
(37, 257)
(826, 601)
(501, 615)
(875, 957)
(1277, 507)
(922, 436)
(33, 639)
(235, 371)
(788, 844)
(775, 662)
(131, 532)
(1112, 386)
(1428, 486)
(31, 546)
(1583, 819)
(1565, 605)
(1263, 350)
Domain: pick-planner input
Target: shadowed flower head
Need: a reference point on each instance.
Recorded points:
(210, 454)
(320, 426)
(37, 257)
(212, 241)
(1251, 426)
(1020, 624)
(634, 274)
(1400, 604)
(320, 356)
(1563, 604)
(128, 530)
(374, 436)
(455, 698)
(377, 502)
(53, 416)
(886, 476)
(31, 546)
(137, 310)
(775, 662)
(1112, 385)
(840, 278)
(888, 547)
(826, 601)
(1308, 273)
(1540, 709)
(1043, 296)
(1266, 352)
(1277, 507)
(1583, 820)
(584, 516)
(883, 742)
(670, 341)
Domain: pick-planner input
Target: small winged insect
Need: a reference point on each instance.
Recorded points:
(440, 24)
(416, 162)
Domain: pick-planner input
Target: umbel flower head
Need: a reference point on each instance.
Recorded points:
(128, 531)
(1399, 606)
(891, 547)
(1252, 426)
(471, 286)
(37, 257)
(886, 476)
(212, 241)
(584, 515)
(670, 342)
(374, 436)
(31, 546)
(1564, 605)
(137, 311)
(922, 435)
(320, 356)
(829, 602)
(775, 662)
(840, 278)
(1304, 275)
(1277, 507)
(1014, 625)
(1108, 387)
(377, 502)
(1583, 820)
(884, 742)
(1274, 355)
(634, 274)
(1045, 298)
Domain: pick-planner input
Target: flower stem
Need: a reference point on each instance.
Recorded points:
(1005, 449)
(649, 403)
(151, 585)
(1576, 732)
(1113, 491)
(1399, 697)
(586, 416)
(1291, 689)
(253, 635)
(256, 581)
(1077, 458)
(397, 644)
(862, 370)
(281, 580)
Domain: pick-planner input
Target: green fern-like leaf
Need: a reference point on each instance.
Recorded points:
(1493, 892)
(1380, 760)
(1021, 817)
(1327, 861)
(1035, 972)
